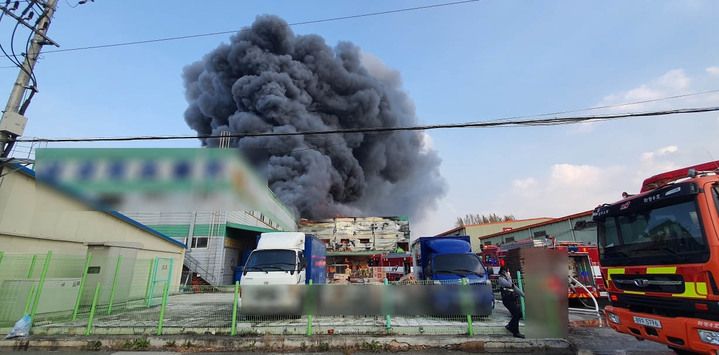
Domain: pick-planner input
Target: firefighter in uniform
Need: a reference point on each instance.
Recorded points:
(510, 295)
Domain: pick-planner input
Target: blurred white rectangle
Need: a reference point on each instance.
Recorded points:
(154, 180)
(330, 300)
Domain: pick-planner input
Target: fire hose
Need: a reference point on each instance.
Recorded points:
(596, 305)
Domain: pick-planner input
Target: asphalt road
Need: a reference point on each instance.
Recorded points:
(591, 336)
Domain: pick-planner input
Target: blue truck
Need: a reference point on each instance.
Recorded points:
(447, 260)
(286, 258)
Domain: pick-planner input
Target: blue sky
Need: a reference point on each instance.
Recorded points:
(471, 62)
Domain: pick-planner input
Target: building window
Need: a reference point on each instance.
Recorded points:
(345, 241)
(488, 243)
(326, 241)
(540, 234)
(200, 242)
(509, 239)
(364, 240)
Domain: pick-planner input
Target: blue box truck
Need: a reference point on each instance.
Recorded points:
(449, 262)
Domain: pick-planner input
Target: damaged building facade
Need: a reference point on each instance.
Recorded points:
(358, 247)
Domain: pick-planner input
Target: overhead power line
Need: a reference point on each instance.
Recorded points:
(340, 18)
(612, 106)
(488, 124)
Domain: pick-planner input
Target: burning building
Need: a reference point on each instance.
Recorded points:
(358, 247)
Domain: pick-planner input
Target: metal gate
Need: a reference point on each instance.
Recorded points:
(161, 276)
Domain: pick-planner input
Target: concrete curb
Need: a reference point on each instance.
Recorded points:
(292, 343)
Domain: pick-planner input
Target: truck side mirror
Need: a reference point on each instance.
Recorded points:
(303, 262)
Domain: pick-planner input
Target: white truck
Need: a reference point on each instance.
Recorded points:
(286, 258)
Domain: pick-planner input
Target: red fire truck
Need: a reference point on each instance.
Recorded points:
(658, 251)
(582, 266)
(492, 258)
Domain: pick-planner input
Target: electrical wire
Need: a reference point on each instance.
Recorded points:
(29, 37)
(27, 71)
(68, 4)
(14, 59)
(12, 42)
(11, 171)
(3, 49)
(517, 123)
(27, 97)
(329, 20)
(332, 19)
(495, 123)
(17, 65)
(610, 106)
(250, 29)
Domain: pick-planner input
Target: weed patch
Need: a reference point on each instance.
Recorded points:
(373, 346)
(92, 345)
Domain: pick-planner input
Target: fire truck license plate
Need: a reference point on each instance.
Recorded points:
(647, 322)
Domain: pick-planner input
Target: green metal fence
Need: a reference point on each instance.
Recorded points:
(64, 298)
(57, 288)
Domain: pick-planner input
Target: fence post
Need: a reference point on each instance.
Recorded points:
(169, 272)
(82, 286)
(521, 299)
(149, 277)
(162, 310)
(29, 298)
(309, 320)
(150, 282)
(234, 309)
(40, 284)
(114, 284)
(469, 316)
(32, 266)
(92, 310)
(389, 324)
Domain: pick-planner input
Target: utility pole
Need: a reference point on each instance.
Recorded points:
(12, 124)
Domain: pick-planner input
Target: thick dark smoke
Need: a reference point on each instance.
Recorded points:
(270, 80)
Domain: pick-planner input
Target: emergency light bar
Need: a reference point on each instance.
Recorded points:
(662, 179)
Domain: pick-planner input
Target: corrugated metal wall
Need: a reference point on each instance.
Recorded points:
(562, 230)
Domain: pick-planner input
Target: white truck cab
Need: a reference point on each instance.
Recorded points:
(278, 260)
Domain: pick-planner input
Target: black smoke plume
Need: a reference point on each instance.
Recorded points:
(270, 80)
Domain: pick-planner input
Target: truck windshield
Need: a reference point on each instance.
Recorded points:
(458, 264)
(663, 235)
(272, 260)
